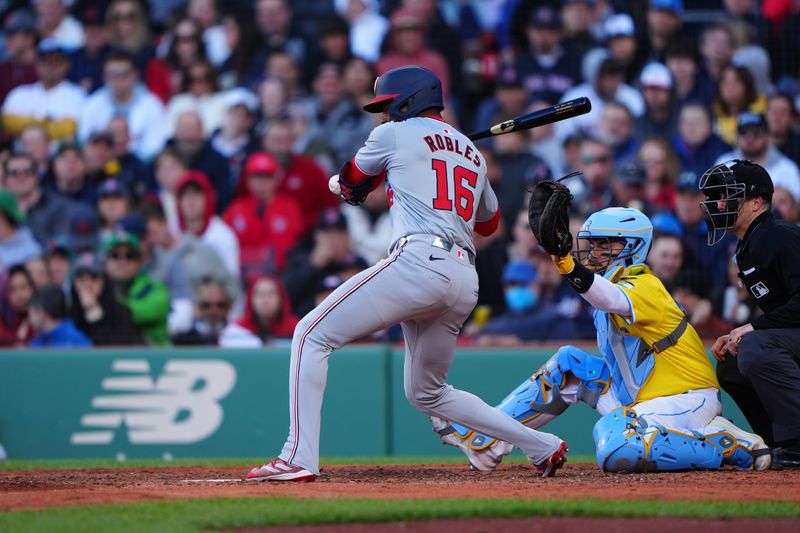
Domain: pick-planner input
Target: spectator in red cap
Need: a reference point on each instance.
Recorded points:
(301, 177)
(267, 224)
(196, 208)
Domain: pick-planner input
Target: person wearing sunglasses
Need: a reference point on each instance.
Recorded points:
(592, 189)
(43, 208)
(212, 305)
(147, 299)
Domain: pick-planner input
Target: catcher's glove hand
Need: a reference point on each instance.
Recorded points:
(353, 193)
(549, 218)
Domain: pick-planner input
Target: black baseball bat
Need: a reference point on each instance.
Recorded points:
(542, 117)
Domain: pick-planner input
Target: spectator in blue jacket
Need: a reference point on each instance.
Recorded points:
(48, 314)
(539, 307)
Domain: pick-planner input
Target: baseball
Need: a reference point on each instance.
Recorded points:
(333, 184)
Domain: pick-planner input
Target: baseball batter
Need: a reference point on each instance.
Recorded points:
(438, 193)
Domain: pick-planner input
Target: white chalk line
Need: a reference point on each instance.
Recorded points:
(211, 480)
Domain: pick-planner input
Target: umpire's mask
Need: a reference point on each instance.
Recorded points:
(726, 186)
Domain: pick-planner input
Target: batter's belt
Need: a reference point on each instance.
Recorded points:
(436, 242)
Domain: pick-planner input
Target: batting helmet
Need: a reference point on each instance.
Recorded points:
(731, 182)
(409, 90)
(625, 224)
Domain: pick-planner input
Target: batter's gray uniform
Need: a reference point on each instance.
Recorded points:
(437, 189)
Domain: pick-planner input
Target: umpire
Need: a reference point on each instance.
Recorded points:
(763, 376)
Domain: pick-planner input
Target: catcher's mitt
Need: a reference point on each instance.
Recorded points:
(549, 218)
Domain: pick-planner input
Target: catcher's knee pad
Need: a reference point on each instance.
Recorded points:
(625, 443)
(538, 399)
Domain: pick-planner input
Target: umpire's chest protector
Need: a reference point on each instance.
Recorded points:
(760, 268)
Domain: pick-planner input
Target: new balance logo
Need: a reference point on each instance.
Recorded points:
(181, 406)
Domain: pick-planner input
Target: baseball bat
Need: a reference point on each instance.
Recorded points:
(542, 117)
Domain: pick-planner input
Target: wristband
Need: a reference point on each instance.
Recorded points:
(580, 277)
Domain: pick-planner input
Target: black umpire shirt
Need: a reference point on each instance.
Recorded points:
(768, 258)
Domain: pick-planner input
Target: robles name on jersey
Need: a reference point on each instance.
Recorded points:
(438, 142)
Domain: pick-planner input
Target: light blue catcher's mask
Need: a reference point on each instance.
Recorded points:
(520, 298)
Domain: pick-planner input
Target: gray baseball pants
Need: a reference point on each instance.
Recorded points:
(430, 292)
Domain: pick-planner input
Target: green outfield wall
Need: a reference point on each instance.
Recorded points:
(136, 403)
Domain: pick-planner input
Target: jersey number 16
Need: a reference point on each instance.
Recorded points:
(464, 195)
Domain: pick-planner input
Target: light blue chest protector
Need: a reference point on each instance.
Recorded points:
(629, 360)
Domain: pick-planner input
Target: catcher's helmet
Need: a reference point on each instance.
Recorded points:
(731, 182)
(625, 224)
(409, 91)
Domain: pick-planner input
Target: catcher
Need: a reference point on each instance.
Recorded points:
(653, 384)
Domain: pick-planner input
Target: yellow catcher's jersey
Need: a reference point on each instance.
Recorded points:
(681, 367)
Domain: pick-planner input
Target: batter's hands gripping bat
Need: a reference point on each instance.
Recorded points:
(542, 117)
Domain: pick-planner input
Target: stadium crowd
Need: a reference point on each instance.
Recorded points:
(165, 162)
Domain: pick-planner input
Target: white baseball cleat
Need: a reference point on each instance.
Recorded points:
(548, 467)
(484, 460)
(753, 443)
(488, 458)
(280, 470)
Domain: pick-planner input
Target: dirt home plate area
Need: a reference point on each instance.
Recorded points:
(38, 489)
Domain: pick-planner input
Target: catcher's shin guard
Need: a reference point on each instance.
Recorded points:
(625, 443)
(570, 375)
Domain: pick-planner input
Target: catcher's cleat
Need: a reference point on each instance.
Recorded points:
(554, 462)
(752, 444)
(280, 470)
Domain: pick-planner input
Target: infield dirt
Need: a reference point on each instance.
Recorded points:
(55, 488)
